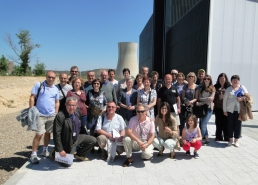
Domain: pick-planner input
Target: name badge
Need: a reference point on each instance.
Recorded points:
(173, 91)
(74, 134)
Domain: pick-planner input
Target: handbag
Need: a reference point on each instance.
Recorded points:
(200, 111)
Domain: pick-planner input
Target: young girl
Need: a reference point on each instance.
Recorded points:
(192, 136)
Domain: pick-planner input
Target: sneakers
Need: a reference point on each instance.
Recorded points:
(196, 155)
(81, 158)
(45, 153)
(188, 152)
(237, 144)
(229, 143)
(34, 159)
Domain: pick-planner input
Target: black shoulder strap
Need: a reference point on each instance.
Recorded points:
(41, 83)
(61, 90)
(149, 97)
(103, 117)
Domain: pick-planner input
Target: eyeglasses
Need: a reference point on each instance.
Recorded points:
(51, 77)
(111, 107)
(70, 105)
(173, 73)
(190, 76)
(74, 71)
(207, 79)
(140, 111)
(96, 83)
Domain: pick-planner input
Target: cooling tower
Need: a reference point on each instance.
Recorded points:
(127, 58)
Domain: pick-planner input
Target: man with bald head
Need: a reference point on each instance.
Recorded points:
(88, 85)
(47, 104)
(108, 87)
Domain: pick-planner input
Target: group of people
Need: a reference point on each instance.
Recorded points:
(140, 114)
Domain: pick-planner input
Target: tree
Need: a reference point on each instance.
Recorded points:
(3, 65)
(25, 48)
(39, 69)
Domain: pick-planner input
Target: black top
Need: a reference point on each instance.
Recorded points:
(168, 95)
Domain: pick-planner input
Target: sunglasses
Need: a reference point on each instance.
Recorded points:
(51, 77)
(207, 79)
(74, 71)
(111, 107)
(173, 73)
(140, 111)
(190, 76)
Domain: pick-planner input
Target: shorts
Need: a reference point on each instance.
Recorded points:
(176, 116)
(45, 124)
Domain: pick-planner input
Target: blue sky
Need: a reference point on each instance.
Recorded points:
(74, 32)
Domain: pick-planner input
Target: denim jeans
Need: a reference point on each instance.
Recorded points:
(204, 122)
(84, 120)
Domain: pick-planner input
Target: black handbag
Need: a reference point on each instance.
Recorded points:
(200, 111)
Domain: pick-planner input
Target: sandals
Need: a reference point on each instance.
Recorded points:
(128, 162)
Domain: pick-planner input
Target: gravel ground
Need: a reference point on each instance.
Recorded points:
(15, 145)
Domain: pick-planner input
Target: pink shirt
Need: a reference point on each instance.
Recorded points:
(142, 130)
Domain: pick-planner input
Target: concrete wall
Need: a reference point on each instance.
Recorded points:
(233, 42)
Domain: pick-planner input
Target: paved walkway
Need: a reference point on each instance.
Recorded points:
(218, 164)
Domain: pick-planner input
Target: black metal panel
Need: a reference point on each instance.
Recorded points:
(187, 40)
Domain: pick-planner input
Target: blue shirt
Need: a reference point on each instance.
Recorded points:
(46, 98)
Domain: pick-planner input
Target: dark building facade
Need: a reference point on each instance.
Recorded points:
(179, 33)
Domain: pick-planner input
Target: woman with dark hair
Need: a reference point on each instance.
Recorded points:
(139, 84)
(206, 96)
(80, 95)
(156, 86)
(220, 119)
(148, 97)
(127, 101)
(167, 131)
(231, 108)
(122, 83)
(96, 102)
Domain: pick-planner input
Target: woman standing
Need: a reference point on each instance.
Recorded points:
(167, 127)
(148, 97)
(180, 86)
(122, 83)
(127, 101)
(156, 86)
(206, 96)
(139, 84)
(80, 95)
(220, 119)
(231, 107)
(96, 102)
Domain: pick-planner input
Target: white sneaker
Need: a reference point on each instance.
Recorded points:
(229, 143)
(34, 159)
(45, 153)
(237, 144)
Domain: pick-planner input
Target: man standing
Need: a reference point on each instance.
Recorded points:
(201, 75)
(174, 74)
(168, 93)
(47, 104)
(63, 88)
(108, 87)
(74, 73)
(112, 74)
(88, 85)
(105, 126)
(145, 71)
(69, 133)
(140, 135)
